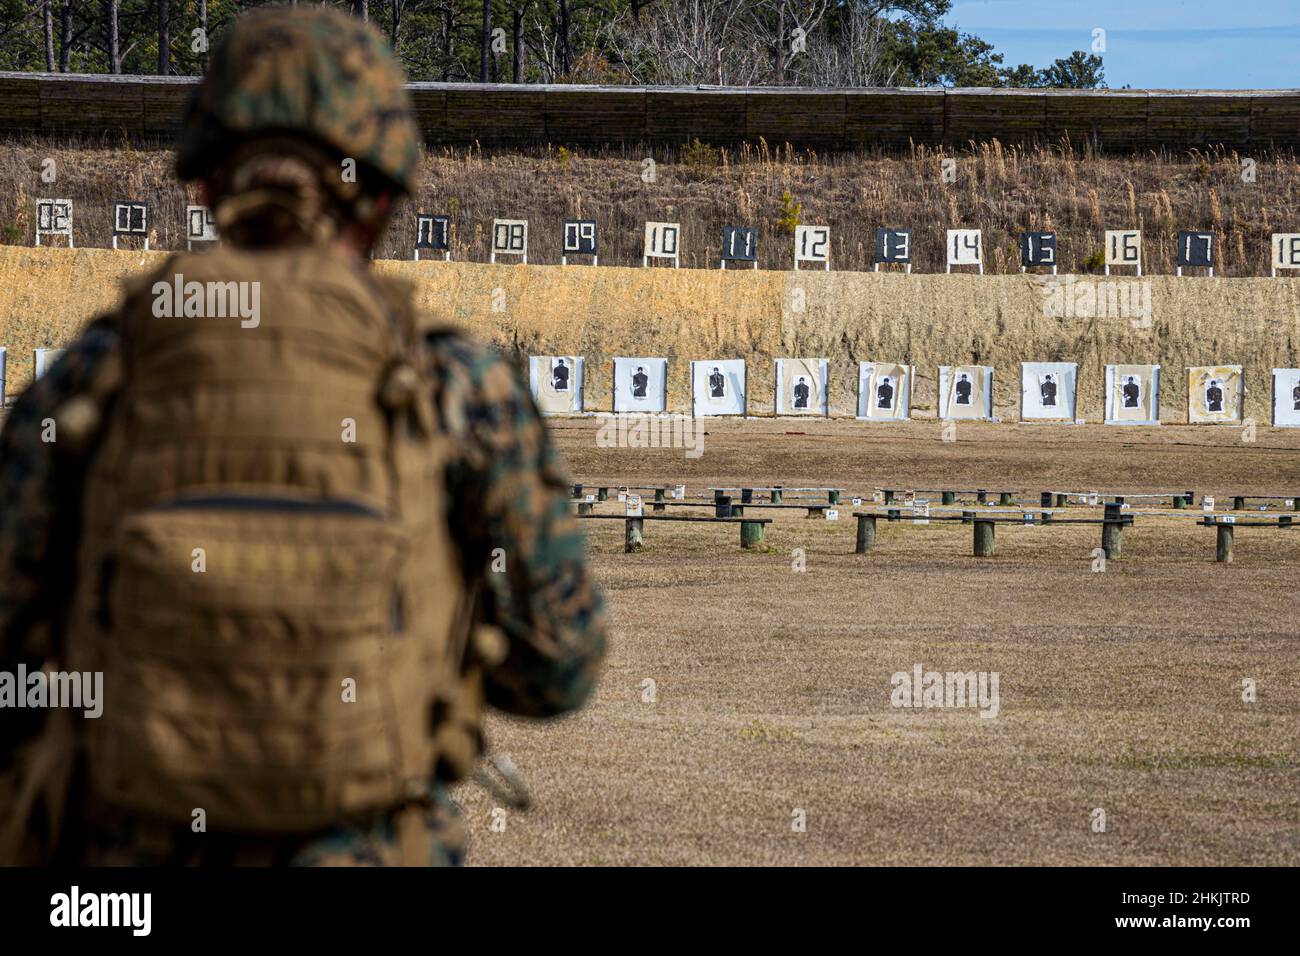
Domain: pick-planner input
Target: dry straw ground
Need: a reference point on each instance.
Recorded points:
(1119, 690)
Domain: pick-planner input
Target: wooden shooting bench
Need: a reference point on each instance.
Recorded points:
(1178, 499)
(948, 496)
(1239, 501)
(984, 544)
(726, 506)
(602, 493)
(1225, 525)
(751, 529)
(775, 493)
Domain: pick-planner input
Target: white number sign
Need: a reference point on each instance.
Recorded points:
(661, 242)
(964, 249)
(812, 244)
(54, 218)
(200, 226)
(1286, 251)
(509, 238)
(1124, 248)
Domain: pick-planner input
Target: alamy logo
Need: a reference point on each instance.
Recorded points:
(79, 690)
(103, 909)
(922, 688)
(639, 430)
(1073, 298)
(208, 300)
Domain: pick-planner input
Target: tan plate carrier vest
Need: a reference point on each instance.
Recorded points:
(266, 579)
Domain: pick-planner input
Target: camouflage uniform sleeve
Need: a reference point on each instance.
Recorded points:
(509, 492)
(40, 506)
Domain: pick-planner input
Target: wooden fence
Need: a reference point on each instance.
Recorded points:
(826, 119)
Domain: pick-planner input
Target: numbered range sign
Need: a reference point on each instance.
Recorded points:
(433, 233)
(130, 218)
(965, 249)
(579, 240)
(199, 226)
(1195, 250)
(812, 244)
(54, 218)
(1124, 248)
(893, 246)
(1286, 251)
(1037, 249)
(509, 238)
(739, 244)
(662, 241)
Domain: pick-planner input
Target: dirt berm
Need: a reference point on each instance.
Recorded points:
(46, 294)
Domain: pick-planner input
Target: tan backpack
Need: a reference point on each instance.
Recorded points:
(266, 578)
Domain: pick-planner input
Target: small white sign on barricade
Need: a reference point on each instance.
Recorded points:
(633, 506)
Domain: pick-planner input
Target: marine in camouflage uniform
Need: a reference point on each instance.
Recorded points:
(289, 89)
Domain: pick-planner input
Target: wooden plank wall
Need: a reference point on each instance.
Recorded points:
(502, 114)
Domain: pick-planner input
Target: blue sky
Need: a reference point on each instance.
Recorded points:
(1205, 44)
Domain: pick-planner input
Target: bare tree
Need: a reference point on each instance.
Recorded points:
(485, 50)
(855, 57)
(65, 36)
(164, 38)
(517, 42)
(684, 42)
(113, 9)
(48, 12)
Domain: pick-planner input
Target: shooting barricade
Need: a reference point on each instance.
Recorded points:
(984, 543)
(751, 529)
(1225, 524)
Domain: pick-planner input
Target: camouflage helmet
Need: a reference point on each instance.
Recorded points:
(316, 73)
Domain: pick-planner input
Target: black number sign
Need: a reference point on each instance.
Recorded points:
(893, 245)
(579, 237)
(432, 232)
(1195, 249)
(1037, 249)
(739, 243)
(130, 218)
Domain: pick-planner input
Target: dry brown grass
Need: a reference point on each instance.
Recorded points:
(1001, 190)
(1119, 690)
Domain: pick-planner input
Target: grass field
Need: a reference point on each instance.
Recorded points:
(1119, 690)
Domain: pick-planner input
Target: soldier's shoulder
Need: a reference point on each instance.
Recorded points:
(471, 363)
